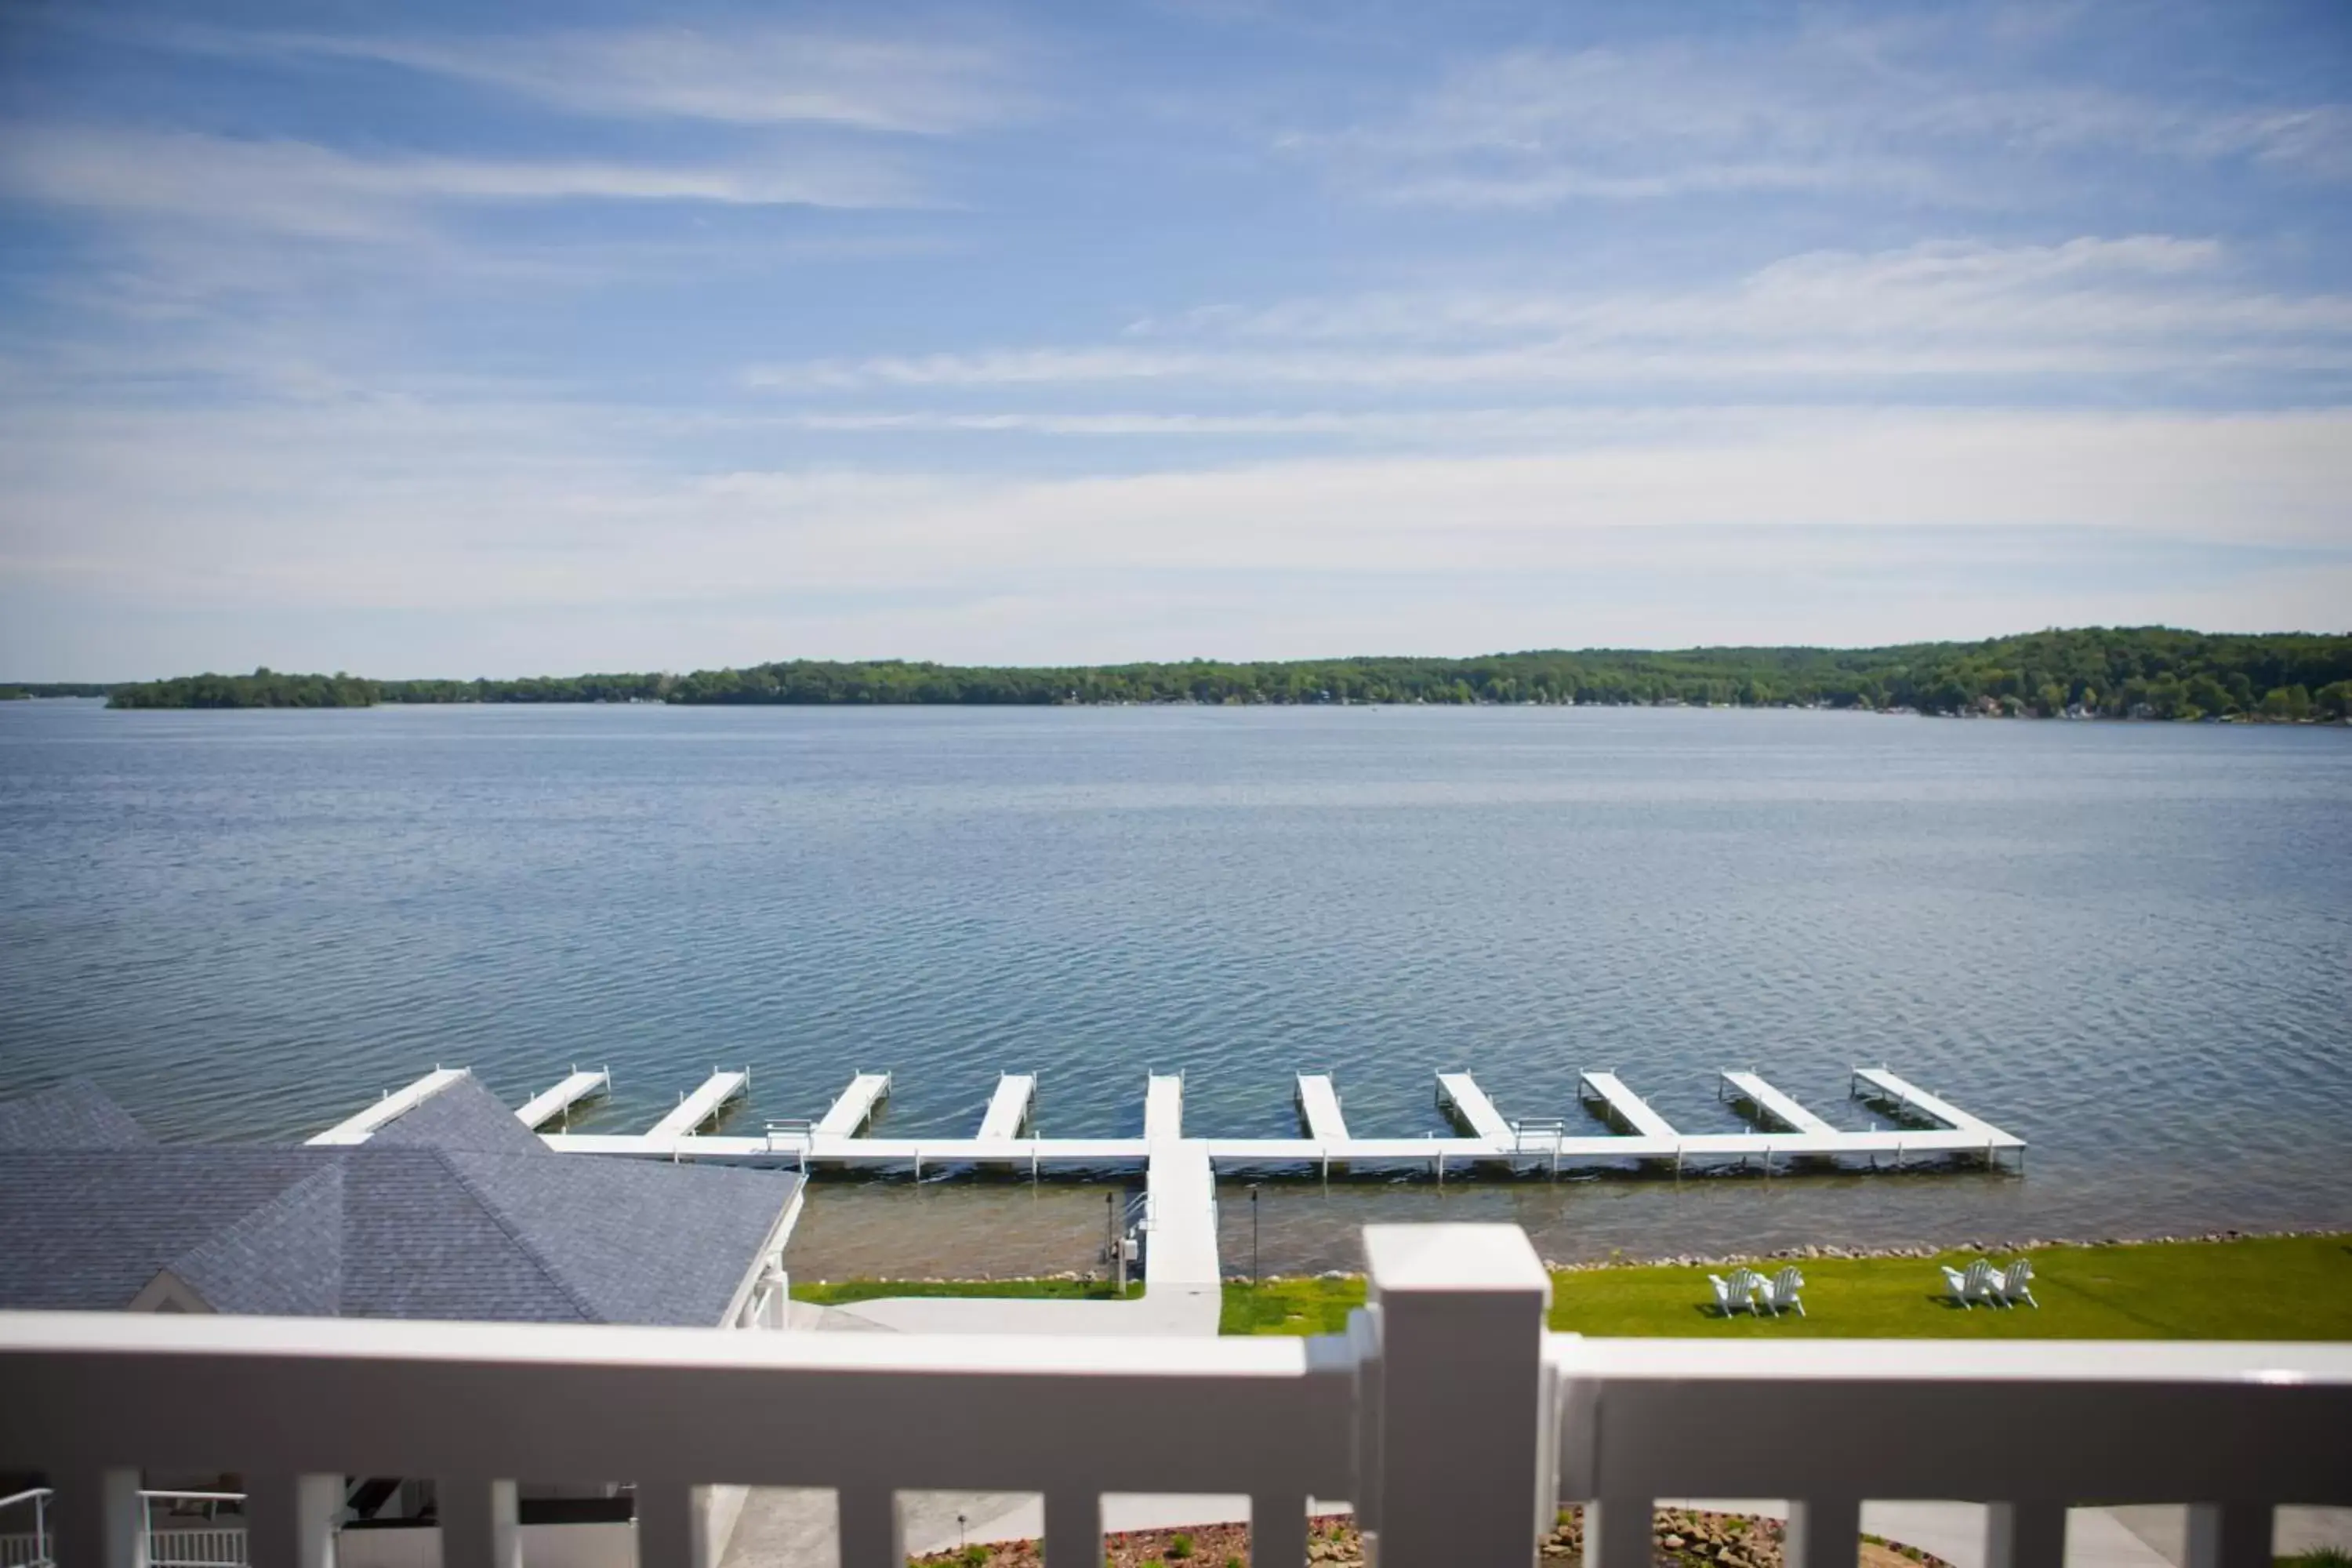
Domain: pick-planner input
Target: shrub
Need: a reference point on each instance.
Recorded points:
(1180, 1546)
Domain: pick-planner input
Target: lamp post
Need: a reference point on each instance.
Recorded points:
(1253, 1239)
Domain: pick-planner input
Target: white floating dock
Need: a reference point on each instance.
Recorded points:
(1460, 1093)
(1772, 1105)
(1629, 1108)
(839, 1138)
(1164, 1108)
(1009, 1108)
(856, 1106)
(1319, 1107)
(543, 1108)
(701, 1105)
(397, 1103)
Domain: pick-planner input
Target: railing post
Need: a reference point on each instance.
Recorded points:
(2025, 1535)
(873, 1533)
(478, 1527)
(99, 1520)
(2229, 1535)
(1451, 1468)
(1617, 1533)
(290, 1521)
(1277, 1530)
(671, 1527)
(1823, 1532)
(1074, 1537)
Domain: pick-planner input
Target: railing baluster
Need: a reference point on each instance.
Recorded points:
(1617, 1533)
(1823, 1532)
(2229, 1535)
(478, 1523)
(1277, 1530)
(2025, 1535)
(290, 1521)
(873, 1533)
(99, 1520)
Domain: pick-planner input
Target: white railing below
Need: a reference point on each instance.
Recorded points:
(1451, 1419)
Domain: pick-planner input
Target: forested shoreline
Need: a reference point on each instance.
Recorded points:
(2097, 672)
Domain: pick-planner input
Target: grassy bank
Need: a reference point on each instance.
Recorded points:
(2272, 1288)
(841, 1293)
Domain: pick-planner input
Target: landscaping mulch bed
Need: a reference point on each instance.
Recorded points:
(1679, 1538)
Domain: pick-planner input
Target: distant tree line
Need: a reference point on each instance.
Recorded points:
(2151, 672)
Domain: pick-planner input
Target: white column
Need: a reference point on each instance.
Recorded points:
(1455, 1396)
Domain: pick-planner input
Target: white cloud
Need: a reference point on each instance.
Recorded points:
(748, 76)
(299, 188)
(2090, 306)
(469, 509)
(1824, 107)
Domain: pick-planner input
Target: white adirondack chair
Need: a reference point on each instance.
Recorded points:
(1747, 1285)
(1975, 1285)
(1782, 1293)
(2015, 1281)
(1725, 1301)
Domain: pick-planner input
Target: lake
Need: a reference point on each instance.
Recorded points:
(2129, 944)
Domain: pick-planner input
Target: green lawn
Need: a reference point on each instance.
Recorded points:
(840, 1292)
(2290, 1288)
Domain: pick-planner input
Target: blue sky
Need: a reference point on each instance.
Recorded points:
(460, 340)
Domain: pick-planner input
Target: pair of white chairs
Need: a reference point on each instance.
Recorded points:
(1750, 1291)
(1980, 1282)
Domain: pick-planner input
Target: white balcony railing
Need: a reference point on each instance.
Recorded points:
(1445, 1412)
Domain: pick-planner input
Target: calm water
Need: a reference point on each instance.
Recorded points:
(2130, 944)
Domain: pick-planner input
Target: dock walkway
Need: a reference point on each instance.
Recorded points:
(1629, 1108)
(855, 1106)
(701, 1105)
(542, 1108)
(1008, 1109)
(1319, 1107)
(1459, 1093)
(1772, 1105)
(395, 1104)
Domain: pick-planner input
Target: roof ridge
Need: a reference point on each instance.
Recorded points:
(588, 1312)
(277, 1205)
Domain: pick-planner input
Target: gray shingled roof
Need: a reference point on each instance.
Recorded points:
(75, 1114)
(454, 1211)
